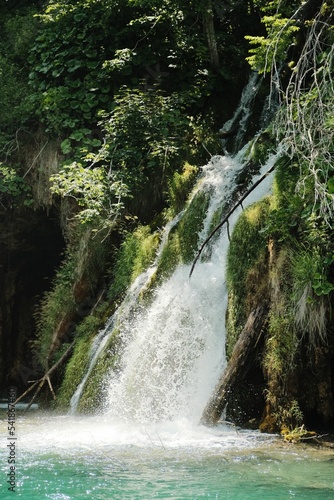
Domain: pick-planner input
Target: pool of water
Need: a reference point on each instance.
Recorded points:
(65, 457)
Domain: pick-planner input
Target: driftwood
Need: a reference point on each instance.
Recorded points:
(46, 378)
(226, 218)
(238, 365)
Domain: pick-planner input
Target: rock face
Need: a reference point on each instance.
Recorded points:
(31, 245)
(293, 374)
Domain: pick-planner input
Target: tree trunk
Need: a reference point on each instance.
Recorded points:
(238, 365)
(211, 34)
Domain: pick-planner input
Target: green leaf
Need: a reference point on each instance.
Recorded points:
(74, 64)
(66, 146)
(330, 185)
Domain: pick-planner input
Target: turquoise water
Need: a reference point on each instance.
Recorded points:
(65, 457)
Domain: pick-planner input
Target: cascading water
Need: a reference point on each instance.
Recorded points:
(129, 302)
(239, 122)
(174, 348)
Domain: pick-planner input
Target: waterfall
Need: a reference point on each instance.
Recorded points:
(175, 348)
(238, 124)
(124, 310)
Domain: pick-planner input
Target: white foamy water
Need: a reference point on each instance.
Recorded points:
(50, 433)
(175, 348)
(73, 457)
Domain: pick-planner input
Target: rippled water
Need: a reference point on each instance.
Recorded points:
(67, 457)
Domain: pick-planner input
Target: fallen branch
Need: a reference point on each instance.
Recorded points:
(301, 434)
(226, 218)
(46, 378)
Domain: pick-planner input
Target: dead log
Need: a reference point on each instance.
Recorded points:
(46, 378)
(238, 365)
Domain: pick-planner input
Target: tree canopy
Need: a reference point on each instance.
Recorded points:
(130, 83)
(133, 87)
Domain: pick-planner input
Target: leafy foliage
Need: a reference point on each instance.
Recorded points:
(87, 50)
(18, 30)
(67, 58)
(272, 48)
(130, 79)
(99, 195)
(303, 124)
(147, 134)
(13, 187)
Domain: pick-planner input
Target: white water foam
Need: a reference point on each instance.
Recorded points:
(49, 433)
(175, 348)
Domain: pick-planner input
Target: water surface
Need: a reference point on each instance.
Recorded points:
(68, 457)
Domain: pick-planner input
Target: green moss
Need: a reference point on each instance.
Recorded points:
(279, 359)
(147, 248)
(280, 363)
(246, 243)
(217, 218)
(281, 343)
(190, 226)
(183, 240)
(286, 178)
(136, 253)
(94, 393)
(75, 370)
(78, 364)
(170, 257)
(246, 266)
(180, 186)
(289, 210)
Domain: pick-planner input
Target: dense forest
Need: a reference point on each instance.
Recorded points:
(109, 108)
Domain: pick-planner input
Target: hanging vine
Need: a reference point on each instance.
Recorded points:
(306, 116)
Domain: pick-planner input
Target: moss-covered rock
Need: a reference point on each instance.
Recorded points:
(136, 254)
(75, 370)
(95, 391)
(183, 240)
(247, 268)
(180, 186)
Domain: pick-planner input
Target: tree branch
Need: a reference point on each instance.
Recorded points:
(46, 378)
(226, 218)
